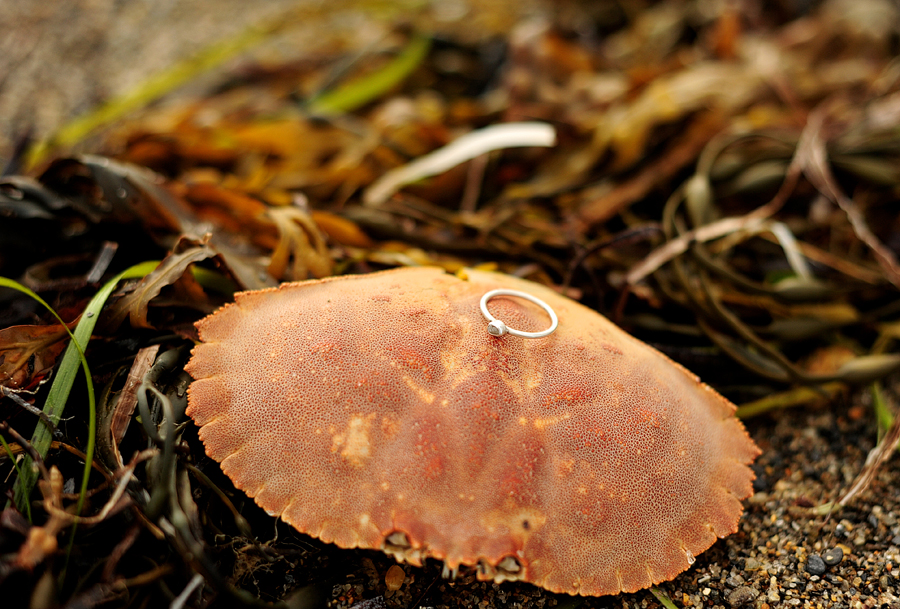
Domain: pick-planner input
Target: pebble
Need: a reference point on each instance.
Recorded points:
(734, 581)
(833, 556)
(815, 565)
(742, 596)
(751, 564)
(393, 579)
(772, 596)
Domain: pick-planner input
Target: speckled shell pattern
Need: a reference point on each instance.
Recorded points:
(358, 407)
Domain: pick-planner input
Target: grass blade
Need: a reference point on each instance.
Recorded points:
(15, 462)
(663, 598)
(65, 378)
(360, 91)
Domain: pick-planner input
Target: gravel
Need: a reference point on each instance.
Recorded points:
(742, 596)
(815, 565)
(833, 557)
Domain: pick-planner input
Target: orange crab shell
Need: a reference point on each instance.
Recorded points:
(376, 411)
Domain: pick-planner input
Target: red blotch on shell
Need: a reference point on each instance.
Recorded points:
(359, 407)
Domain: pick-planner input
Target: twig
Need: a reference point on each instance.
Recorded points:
(182, 598)
(627, 237)
(877, 456)
(8, 393)
(723, 227)
(27, 447)
(816, 168)
(101, 262)
(474, 178)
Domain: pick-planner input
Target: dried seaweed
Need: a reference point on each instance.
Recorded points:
(722, 184)
(28, 353)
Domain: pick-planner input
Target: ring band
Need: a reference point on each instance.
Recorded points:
(498, 328)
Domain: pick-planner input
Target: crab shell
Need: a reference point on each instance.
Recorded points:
(376, 411)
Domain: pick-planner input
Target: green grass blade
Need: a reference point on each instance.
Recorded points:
(360, 91)
(882, 412)
(663, 598)
(65, 378)
(797, 396)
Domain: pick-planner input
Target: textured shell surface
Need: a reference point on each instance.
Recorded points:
(376, 411)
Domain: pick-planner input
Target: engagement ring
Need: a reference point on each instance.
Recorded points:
(498, 328)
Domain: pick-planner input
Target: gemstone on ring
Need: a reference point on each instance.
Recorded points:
(497, 328)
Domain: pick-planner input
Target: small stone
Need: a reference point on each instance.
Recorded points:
(815, 565)
(773, 596)
(742, 596)
(833, 556)
(751, 565)
(734, 581)
(394, 577)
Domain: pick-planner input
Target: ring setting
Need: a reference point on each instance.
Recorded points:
(497, 328)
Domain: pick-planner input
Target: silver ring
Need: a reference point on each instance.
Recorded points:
(498, 328)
